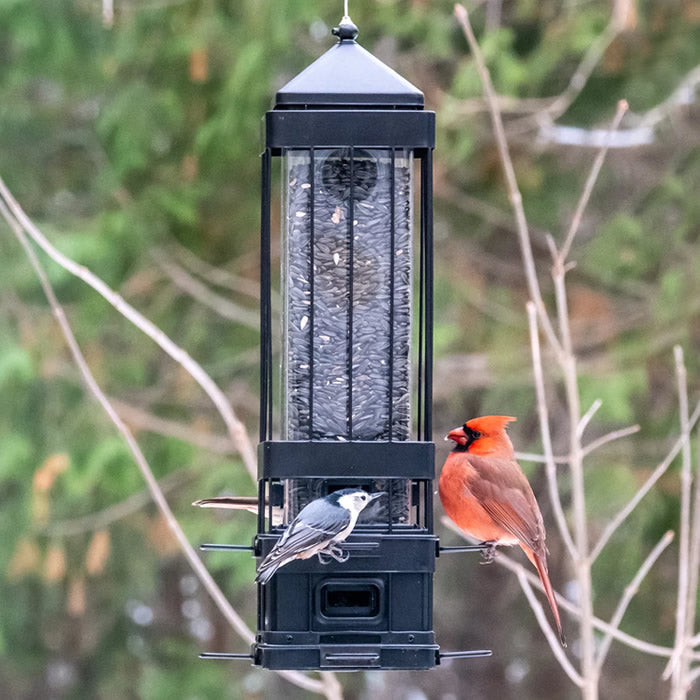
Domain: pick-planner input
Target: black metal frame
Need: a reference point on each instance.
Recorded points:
(373, 611)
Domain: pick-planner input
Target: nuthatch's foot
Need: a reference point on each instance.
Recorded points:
(333, 552)
(488, 554)
(339, 554)
(323, 557)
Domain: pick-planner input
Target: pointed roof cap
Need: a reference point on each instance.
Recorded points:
(348, 76)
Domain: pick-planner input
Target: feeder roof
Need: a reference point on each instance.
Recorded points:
(348, 76)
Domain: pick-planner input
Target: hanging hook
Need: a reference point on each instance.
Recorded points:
(346, 30)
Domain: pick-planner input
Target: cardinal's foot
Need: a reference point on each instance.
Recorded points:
(488, 554)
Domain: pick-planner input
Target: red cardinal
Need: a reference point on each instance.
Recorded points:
(484, 491)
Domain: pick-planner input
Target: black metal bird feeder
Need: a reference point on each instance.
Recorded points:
(354, 406)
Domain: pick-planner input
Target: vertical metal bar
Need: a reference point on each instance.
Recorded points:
(265, 330)
(428, 505)
(392, 256)
(312, 244)
(421, 303)
(351, 273)
(427, 195)
(261, 506)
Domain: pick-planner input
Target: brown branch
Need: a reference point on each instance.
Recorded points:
(543, 413)
(609, 437)
(629, 593)
(229, 613)
(674, 668)
(592, 178)
(143, 420)
(661, 468)
(215, 275)
(235, 427)
(514, 194)
(565, 604)
(115, 512)
(200, 292)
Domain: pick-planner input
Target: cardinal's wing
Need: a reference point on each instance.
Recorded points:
(505, 494)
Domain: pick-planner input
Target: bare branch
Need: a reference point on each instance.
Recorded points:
(610, 437)
(543, 413)
(115, 512)
(514, 195)
(143, 420)
(694, 557)
(582, 565)
(215, 275)
(514, 567)
(684, 94)
(592, 178)
(629, 593)
(200, 292)
(212, 588)
(622, 515)
(585, 69)
(542, 459)
(587, 416)
(554, 107)
(236, 429)
(674, 668)
(546, 628)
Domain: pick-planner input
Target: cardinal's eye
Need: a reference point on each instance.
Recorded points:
(476, 434)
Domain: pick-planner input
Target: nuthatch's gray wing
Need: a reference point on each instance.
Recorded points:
(318, 525)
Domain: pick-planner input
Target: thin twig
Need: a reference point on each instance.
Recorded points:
(213, 274)
(514, 194)
(235, 427)
(584, 70)
(540, 459)
(622, 515)
(609, 437)
(224, 607)
(592, 178)
(629, 593)
(582, 564)
(674, 668)
(694, 563)
(507, 562)
(546, 628)
(143, 420)
(543, 413)
(586, 418)
(115, 512)
(200, 292)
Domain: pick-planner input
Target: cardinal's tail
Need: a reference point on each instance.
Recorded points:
(541, 566)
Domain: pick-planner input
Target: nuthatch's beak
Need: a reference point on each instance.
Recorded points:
(375, 496)
(457, 434)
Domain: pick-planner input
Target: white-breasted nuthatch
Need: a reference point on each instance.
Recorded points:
(317, 529)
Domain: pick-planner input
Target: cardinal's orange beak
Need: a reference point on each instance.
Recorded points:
(458, 435)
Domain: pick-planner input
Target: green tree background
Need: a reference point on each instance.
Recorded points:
(134, 144)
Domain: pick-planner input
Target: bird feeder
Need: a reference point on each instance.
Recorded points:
(352, 404)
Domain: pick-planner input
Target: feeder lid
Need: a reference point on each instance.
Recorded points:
(348, 76)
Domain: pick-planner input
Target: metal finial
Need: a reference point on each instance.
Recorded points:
(346, 30)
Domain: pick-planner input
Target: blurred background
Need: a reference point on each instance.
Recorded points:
(130, 133)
